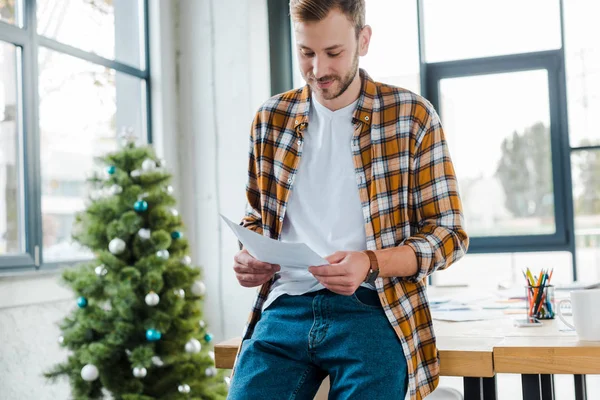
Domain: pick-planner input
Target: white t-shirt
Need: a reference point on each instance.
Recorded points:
(324, 209)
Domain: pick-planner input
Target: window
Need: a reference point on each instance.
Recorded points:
(73, 78)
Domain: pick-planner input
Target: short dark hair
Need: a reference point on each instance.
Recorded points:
(317, 10)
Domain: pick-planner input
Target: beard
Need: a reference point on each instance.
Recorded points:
(339, 84)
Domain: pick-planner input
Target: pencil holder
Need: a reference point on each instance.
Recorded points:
(540, 301)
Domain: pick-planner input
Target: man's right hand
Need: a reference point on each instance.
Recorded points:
(250, 272)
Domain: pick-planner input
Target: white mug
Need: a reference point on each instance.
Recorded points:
(584, 305)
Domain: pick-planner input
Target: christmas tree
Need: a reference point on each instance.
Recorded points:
(136, 331)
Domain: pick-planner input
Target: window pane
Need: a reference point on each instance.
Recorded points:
(389, 60)
(111, 29)
(500, 146)
(586, 199)
(82, 106)
(462, 29)
(10, 11)
(11, 201)
(582, 53)
(505, 269)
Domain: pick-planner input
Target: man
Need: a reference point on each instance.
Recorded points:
(358, 170)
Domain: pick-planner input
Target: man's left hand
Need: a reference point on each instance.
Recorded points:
(344, 273)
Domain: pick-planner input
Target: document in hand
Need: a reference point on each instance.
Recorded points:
(294, 255)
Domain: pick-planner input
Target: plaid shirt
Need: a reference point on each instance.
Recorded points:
(408, 192)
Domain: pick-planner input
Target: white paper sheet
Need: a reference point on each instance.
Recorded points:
(292, 255)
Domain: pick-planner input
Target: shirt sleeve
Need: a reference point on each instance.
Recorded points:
(252, 218)
(440, 238)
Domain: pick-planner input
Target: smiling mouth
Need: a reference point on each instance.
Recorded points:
(324, 84)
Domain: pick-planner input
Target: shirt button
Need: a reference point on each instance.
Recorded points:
(366, 117)
(297, 122)
(299, 142)
(290, 180)
(280, 219)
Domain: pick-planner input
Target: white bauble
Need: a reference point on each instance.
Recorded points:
(115, 189)
(144, 233)
(211, 354)
(117, 246)
(210, 371)
(179, 293)
(184, 388)
(135, 173)
(174, 212)
(157, 361)
(101, 270)
(139, 372)
(148, 165)
(169, 189)
(202, 324)
(193, 346)
(152, 299)
(89, 372)
(198, 288)
(187, 260)
(164, 254)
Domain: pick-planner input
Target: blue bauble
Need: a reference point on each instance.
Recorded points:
(152, 335)
(140, 206)
(82, 302)
(111, 170)
(208, 337)
(176, 235)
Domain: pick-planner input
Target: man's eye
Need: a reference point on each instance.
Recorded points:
(308, 54)
(335, 55)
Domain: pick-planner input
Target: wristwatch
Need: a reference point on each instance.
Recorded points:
(373, 269)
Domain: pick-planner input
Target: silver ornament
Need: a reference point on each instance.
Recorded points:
(152, 299)
(168, 189)
(187, 260)
(89, 373)
(115, 189)
(184, 388)
(136, 173)
(157, 361)
(117, 246)
(179, 293)
(211, 354)
(198, 288)
(202, 324)
(164, 254)
(148, 165)
(144, 233)
(193, 346)
(139, 372)
(101, 270)
(61, 339)
(210, 371)
(174, 212)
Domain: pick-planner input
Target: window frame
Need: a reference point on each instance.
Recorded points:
(28, 42)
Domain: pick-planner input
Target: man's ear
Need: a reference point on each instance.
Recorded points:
(364, 39)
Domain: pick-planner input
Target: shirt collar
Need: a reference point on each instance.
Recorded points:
(364, 108)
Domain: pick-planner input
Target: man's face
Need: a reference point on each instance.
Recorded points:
(328, 52)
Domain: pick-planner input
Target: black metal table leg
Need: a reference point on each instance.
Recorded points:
(538, 387)
(580, 387)
(480, 388)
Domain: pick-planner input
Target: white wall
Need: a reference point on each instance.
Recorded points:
(218, 97)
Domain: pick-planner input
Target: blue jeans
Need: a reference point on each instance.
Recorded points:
(299, 340)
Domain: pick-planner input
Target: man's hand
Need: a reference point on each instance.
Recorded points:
(250, 272)
(345, 272)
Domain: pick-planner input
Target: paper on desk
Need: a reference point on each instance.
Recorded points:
(466, 315)
(295, 255)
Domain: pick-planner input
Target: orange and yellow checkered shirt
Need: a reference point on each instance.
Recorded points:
(408, 192)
